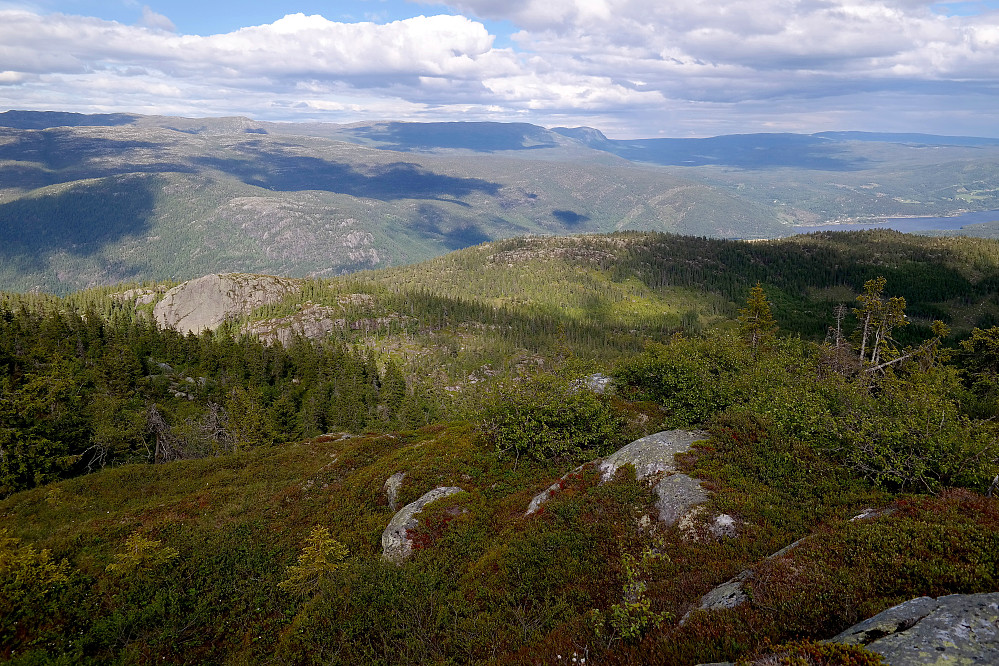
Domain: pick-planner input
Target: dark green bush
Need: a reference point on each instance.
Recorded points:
(691, 377)
(545, 417)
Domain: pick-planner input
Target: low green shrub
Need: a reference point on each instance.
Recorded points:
(548, 417)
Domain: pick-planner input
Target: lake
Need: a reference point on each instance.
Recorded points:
(911, 224)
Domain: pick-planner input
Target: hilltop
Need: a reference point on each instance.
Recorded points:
(232, 495)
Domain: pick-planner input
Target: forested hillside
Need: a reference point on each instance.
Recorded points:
(97, 200)
(175, 498)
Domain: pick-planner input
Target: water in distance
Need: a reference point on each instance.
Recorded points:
(911, 224)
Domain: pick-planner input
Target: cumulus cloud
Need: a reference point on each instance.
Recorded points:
(631, 66)
(59, 54)
(151, 19)
(740, 49)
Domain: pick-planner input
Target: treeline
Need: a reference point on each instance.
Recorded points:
(79, 392)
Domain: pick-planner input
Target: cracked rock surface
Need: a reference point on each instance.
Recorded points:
(959, 629)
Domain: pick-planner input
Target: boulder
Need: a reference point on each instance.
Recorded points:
(652, 454)
(956, 629)
(396, 544)
(599, 383)
(649, 455)
(205, 303)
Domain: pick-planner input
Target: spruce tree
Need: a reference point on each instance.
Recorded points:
(756, 321)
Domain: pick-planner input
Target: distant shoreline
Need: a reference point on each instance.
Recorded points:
(907, 223)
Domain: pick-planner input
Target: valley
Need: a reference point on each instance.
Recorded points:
(95, 200)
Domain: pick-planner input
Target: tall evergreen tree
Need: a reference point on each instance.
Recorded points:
(756, 321)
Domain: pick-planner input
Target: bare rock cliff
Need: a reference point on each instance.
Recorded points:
(204, 303)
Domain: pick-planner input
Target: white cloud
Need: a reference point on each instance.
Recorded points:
(631, 66)
(151, 19)
(756, 41)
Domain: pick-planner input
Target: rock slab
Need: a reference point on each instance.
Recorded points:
(396, 544)
(391, 488)
(652, 454)
(959, 629)
(205, 303)
(678, 494)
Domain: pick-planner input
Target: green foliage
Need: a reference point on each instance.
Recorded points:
(545, 416)
(140, 553)
(756, 321)
(691, 377)
(812, 653)
(26, 573)
(321, 556)
(980, 358)
(78, 393)
(909, 432)
(632, 619)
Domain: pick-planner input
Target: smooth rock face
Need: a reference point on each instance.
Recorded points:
(396, 545)
(651, 454)
(959, 629)
(678, 494)
(205, 303)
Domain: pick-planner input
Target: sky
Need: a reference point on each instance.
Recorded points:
(631, 68)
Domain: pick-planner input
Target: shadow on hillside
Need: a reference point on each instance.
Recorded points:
(570, 218)
(65, 157)
(744, 151)
(79, 221)
(453, 232)
(478, 136)
(385, 182)
(62, 150)
(47, 119)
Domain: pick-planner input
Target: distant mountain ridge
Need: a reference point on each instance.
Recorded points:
(97, 199)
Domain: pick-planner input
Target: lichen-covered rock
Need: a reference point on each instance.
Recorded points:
(205, 303)
(724, 526)
(396, 544)
(956, 629)
(391, 488)
(649, 455)
(599, 383)
(538, 500)
(732, 592)
(678, 494)
(729, 594)
(652, 454)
